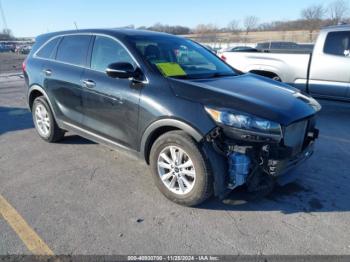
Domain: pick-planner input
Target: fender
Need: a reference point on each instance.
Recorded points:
(36, 87)
(168, 122)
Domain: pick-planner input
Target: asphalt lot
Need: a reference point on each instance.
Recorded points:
(82, 198)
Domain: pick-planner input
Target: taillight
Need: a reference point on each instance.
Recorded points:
(24, 66)
(223, 57)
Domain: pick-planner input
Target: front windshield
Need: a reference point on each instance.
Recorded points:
(180, 58)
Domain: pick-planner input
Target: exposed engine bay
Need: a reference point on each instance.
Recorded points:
(258, 162)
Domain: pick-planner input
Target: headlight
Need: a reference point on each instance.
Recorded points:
(244, 121)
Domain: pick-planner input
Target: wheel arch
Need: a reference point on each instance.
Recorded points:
(160, 127)
(265, 73)
(34, 92)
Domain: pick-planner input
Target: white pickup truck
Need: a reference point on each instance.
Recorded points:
(324, 73)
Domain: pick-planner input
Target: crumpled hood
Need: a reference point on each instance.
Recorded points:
(248, 93)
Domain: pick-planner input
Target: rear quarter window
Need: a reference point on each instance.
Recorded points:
(337, 43)
(47, 50)
(73, 49)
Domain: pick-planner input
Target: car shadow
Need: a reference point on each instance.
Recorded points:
(291, 198)
(14, 119)
(17, 119)
(323, 182)
(75, 140)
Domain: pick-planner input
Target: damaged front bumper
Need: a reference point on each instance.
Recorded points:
(280, 167)
(248, 161)
(287, 169)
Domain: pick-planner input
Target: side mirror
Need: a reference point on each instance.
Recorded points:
(121, 70)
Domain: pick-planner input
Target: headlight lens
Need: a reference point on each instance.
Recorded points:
(244, 121)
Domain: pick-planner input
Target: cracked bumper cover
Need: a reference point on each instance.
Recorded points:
(280, 167)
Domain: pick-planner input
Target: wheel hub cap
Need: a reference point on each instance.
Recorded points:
(176, 170)
(42, 120)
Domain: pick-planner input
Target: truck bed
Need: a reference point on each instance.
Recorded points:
(290, 67)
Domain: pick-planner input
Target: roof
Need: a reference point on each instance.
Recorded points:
(337, 27)
(112, 31)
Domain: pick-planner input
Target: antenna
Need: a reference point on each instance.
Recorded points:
(3, 16)
(75, 24)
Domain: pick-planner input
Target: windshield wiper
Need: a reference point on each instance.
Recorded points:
(181, 77)
(203, 76)
(221, 75)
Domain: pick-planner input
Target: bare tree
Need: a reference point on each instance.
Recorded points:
(313, 16)
(338, 10)
(250, 23)
(131, 26)
(233, 26)
(207, 32)
(206, 28)
(177, 29)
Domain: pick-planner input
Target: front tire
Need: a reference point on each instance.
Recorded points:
(44, 121)
(180, 170)
(277, 78)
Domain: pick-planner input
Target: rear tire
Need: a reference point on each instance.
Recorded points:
(180, 170)
(44, 121)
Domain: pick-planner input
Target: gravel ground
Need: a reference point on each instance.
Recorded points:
(83, 198)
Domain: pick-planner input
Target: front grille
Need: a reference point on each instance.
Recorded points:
(294, 136)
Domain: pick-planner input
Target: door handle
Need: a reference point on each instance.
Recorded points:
(47, 72)
(89, 83)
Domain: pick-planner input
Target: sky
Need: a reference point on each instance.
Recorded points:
(28, 18)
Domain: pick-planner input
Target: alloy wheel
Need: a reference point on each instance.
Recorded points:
(176, 170)
(42, 120)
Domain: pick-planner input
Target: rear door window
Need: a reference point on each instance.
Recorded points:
(107, 51)
(47, 51)
(338, 43)
(73, 49)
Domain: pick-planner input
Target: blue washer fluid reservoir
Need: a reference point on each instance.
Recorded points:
(238, 169)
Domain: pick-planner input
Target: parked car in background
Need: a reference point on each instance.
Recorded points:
(23, 49)
(236, 49)
(241, 49)
(284, 47)
(4, 48)
(324, 73)
(203, 127)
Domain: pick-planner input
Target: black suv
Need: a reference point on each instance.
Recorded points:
(202, 126)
